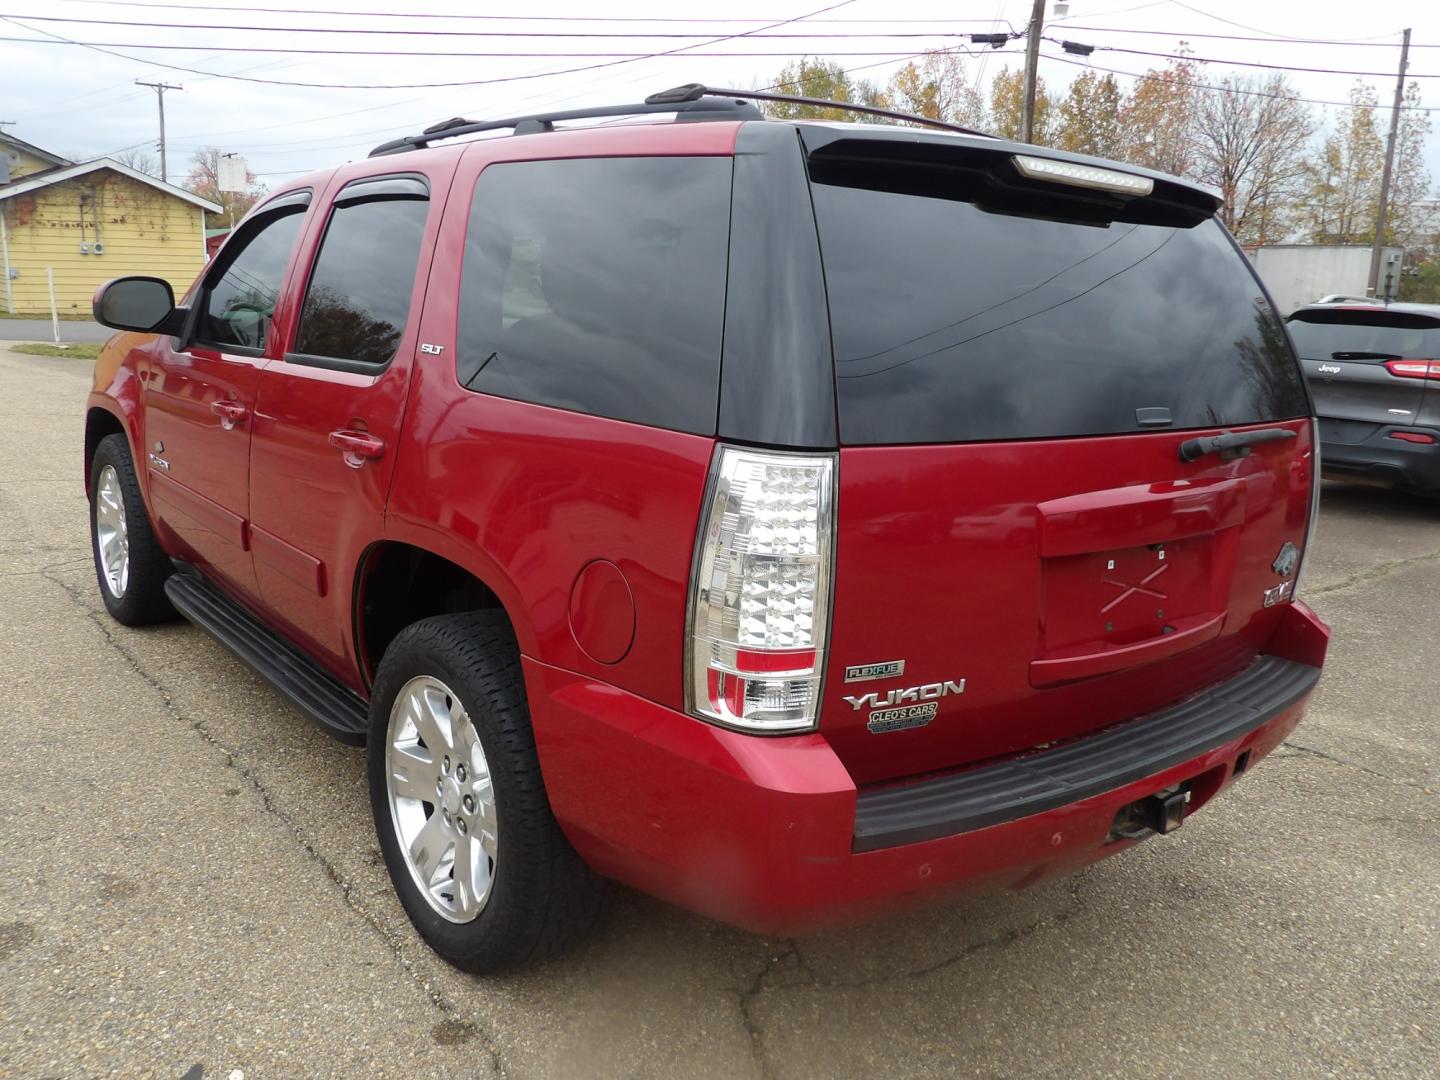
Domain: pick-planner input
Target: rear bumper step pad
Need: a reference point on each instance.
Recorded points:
(335, 707)
(1088, 766)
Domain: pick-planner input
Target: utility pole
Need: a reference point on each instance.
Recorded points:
(1032, 64)
(1389, 167)
(160, 89)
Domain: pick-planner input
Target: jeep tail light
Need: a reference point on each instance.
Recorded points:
(760, 590)
(1414, 369)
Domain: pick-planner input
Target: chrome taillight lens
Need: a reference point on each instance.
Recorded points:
(760, 590)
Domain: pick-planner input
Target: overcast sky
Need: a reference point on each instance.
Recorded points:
(83, 103)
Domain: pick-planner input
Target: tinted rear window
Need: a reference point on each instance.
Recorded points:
(954, 324)
(598, 285)
(1319, 335)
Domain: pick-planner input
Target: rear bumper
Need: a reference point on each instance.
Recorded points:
(1381, 459)
(762, 832)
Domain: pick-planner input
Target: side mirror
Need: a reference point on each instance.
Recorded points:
(146, 304)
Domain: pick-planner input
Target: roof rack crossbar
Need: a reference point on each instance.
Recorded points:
(709, 108)
(697, 91)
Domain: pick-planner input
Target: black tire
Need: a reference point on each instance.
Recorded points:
(142, 601)
(543, 899)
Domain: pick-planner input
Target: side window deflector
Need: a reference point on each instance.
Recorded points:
(384, 187)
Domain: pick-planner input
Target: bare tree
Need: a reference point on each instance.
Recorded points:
(140, 159)
(204, 180)
(1250, 137)
(1158, 118)
(937, 87)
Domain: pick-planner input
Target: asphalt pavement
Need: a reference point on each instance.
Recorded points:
(71, 330)
(189, 876)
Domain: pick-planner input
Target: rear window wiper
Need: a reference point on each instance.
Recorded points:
(1231, 444)
(1364, 356)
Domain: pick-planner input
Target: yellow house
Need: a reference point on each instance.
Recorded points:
(87, 223)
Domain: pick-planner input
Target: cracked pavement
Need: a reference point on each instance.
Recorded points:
(188, 876)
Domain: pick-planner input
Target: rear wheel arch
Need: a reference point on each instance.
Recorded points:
(398, 584)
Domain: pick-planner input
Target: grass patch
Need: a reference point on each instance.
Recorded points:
(44, 316)
(84, 350)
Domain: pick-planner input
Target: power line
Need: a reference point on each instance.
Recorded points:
(689, 19)
(1187, 35)
(1250, 63)
(1252, 29)
(372, 31)
(526, 54)
(428, 86)
(1223, 89)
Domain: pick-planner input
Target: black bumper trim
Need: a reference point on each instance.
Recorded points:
(1019, 787)
(335, 707)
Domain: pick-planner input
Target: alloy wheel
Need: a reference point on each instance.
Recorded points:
(442, 799)
(112, 539)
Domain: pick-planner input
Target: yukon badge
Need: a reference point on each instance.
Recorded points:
(912, 707)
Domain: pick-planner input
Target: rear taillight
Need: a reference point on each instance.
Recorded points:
(1414, 369)
(760, 590)
(1314, 518)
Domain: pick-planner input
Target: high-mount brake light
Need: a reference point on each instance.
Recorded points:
(760, 591)
(1414, 369)
(1087, 176)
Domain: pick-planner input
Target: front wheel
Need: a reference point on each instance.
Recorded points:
(130, 566)
(467, 833)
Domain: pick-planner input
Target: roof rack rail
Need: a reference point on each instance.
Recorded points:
(693, 101)
(692, 109)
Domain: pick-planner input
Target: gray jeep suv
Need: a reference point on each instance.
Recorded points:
(1374, 374)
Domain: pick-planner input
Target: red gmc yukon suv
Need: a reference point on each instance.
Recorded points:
(791, 520)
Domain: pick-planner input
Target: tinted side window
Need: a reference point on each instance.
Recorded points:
(239, 304)
(598, 285)
(952, 323)
(359, 295)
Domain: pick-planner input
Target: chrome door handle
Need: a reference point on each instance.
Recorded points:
(357, 447)
(230, 413)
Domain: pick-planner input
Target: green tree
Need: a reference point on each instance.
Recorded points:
(1344, 179)
(1007, 107)
(1411, 216)
(1090, 117)
(1420, 284)
(813, 79)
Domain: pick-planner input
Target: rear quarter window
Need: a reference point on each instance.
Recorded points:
(954, 323)
(598, 285)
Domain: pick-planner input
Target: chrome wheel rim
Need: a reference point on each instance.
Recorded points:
(442, 800)
(112, 538)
